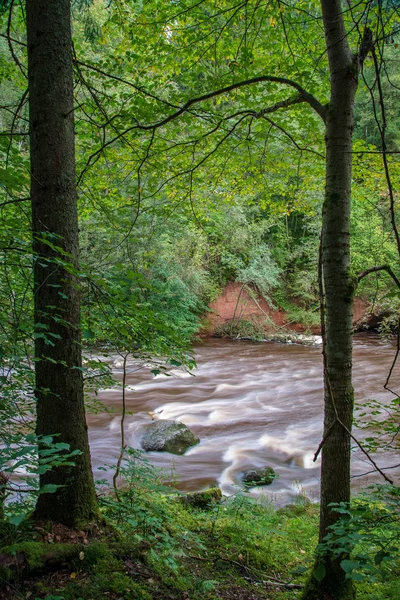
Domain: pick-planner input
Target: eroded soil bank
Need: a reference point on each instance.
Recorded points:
(242, 303)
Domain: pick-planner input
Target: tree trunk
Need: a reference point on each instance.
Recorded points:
(59, 382)
(339, 289)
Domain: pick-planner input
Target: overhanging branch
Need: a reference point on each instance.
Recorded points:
(386, 268)
(303, 96)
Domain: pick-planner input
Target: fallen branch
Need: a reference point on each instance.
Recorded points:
(283, 584)
(272, 581)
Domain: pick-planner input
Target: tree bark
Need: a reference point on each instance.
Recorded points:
(339, 289)
(59, 382)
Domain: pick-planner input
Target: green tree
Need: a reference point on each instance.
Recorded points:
(216, 66)
(58, 363)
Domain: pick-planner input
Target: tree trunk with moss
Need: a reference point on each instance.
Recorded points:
(339, 289)
(58, 366)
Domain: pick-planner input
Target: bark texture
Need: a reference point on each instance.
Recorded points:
(339, 289)
(59, 383)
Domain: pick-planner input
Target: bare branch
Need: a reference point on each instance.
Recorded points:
(9, 134)
(396, 356)
(386, 268)
(13, 201)
(138, 88)
(382, 131)
(10, 41)
(14, 121)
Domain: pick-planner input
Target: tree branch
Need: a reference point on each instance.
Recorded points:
(138, 88)
(386, 268)
(303, 96)
(10, 41)
(307, 97)
(13, 201)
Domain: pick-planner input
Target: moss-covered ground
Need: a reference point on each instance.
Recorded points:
(150, 546)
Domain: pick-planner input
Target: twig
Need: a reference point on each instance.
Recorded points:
(10, 40)
(349, 432)
(283, 584)
(123, 446)
(386, 386)
(326, 435)
(382, 131)
(323, 334)
(374, 471)
(273, 581)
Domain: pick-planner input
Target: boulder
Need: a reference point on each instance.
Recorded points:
(168, 436)
(261, 476)
(204, 499)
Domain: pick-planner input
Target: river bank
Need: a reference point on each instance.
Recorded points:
(241, 312)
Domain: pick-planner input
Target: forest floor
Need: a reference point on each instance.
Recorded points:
(150, 545)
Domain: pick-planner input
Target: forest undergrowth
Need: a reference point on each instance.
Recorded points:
(153, 542)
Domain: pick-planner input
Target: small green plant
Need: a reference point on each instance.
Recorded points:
(368, 532)
(146, 507)
(27, 457)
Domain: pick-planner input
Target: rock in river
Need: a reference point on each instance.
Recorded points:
(262, 476)
(168, 436)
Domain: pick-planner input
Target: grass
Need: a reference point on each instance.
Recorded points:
(152, 546)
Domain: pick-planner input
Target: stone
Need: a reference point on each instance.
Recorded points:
(168, 436)
(261, 476)
(204, 499)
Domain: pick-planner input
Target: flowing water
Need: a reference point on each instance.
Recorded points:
(251, 404)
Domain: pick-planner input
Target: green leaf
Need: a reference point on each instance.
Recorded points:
(49, 488)
(17, 519)
(379, 556)
(319, 572)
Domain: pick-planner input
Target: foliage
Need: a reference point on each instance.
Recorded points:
(140, 508)
(368, 532)
(171, 209)
(380, 421)
(158, 546)
(23, 459)
(260, 271)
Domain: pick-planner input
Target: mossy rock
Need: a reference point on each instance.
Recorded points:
(204, 499)
(257, 477)
(39, 556)
(168, 436)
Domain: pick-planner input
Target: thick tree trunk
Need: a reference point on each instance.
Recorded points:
(59, 384)
(339, 289)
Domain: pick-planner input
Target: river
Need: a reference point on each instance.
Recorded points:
(252, 404)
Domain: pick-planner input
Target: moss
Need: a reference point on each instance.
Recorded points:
(125, 548)
(318, 590)
(195, 554)
(36, 556)
(204, 499)
(106, 582)
(263, 476)
(37, 553)
(295, 510)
